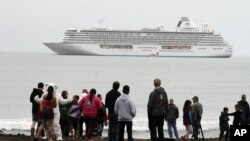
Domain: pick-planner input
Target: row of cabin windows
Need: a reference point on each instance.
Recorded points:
(147, 47)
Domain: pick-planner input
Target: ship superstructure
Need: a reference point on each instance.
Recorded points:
(187, 40)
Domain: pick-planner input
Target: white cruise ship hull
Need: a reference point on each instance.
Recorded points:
(139, 50)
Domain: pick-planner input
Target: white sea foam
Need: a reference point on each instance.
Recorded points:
(15, 124)
(139, 124)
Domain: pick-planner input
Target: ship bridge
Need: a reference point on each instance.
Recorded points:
(186, 25)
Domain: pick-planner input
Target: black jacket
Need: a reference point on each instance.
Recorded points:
(245, 109)
(158, 102)
(173, 112)
(237, 117)
(110, 100)
(34, 93)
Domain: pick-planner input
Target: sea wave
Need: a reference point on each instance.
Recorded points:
(139, 124)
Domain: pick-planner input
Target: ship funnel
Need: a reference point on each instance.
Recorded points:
(185, 22)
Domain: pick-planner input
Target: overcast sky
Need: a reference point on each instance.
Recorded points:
(25, 24)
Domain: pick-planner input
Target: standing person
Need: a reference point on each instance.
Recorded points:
(64, 116)
(35, 106)
(126, 111)
(46, 107)
(237, 115)
(90, 104)
(102, 117)
(157, 110)
(173, 114)
(197, 111)
(244, 106)
(82, 118)
(110, 99)
(60, 100)
(74, 114)
(187, 119)
(224, 126)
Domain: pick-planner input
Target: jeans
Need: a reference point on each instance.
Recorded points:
(113, 128)
(171, 127)
(100, 129)
(128, 125)
(153, 123)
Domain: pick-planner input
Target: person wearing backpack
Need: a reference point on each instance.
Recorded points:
(90, 105)
(157, 110)
(35, 107)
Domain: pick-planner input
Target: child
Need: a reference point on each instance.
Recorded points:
(74, 114)
(237, 115)
(102, 117)
(224, 126)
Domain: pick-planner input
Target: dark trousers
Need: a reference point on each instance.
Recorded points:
(122, 125)
(113, 128)
(90, 124)
(100, 129)
(156, 122)
(81, 121)
(222, 133)
(64, 123)
(196, 126)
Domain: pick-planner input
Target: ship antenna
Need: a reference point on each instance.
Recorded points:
(100, 22)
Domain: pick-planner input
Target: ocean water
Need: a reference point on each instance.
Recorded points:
(218, 82)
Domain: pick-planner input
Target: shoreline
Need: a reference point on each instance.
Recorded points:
(21, 137)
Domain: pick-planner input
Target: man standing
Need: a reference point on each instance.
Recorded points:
(173, 114)
(126, 111)
(244, 106)
(110, 100)
(197, 111)
(157, 111)
(35, 106)
(64, 115)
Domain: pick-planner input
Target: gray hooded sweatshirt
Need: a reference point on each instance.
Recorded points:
(125, 108)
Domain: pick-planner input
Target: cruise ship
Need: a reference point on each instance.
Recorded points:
(187, 40)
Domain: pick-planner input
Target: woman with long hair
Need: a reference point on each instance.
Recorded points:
(90, 105)
(187, 120)
(46, 108)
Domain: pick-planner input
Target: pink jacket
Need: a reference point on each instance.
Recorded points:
(89, 109)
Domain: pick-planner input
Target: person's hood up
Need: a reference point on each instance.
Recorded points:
(159, 90)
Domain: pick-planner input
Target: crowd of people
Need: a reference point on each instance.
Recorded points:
(58, 115)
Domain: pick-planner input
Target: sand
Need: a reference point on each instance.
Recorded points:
(21, 137)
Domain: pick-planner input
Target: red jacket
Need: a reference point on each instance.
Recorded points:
(89, 109)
